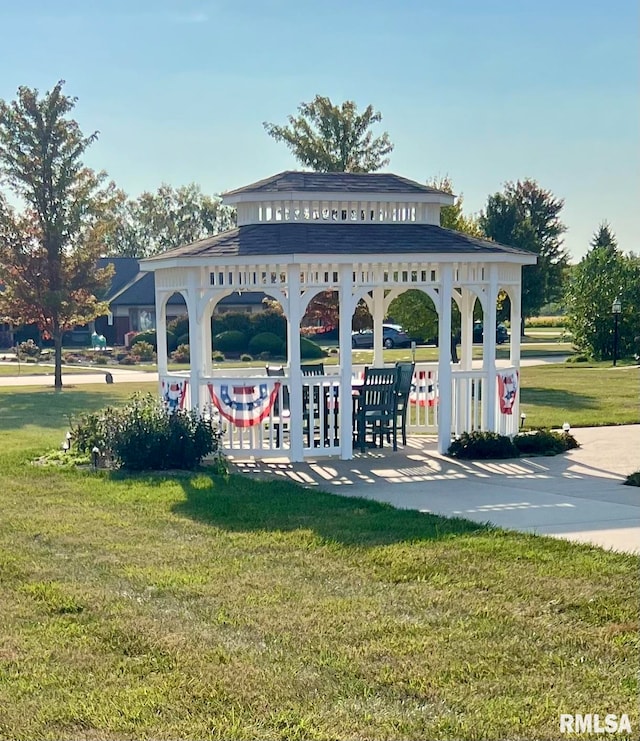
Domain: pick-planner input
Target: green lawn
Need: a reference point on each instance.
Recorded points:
(36, 369)
(583, 395)
(189, 607)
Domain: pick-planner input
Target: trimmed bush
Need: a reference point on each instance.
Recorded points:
(633, 479)
(217, 357)
(544, 442)
(230, 341)
(310, 350)
(482, 445)
(179, 325)
(144, 436)
(269, 321)
(246, 358)
(28, 349)
(182, 354)
(143, 351)
(149, 336)
(183, 339)
(265, 342)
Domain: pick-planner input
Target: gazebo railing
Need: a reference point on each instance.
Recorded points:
(254, 416)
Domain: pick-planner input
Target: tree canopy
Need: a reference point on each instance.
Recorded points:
(167, 218)
(49, 249)
(453, 217)
(528, 216)
(334, 138)
(603, 275)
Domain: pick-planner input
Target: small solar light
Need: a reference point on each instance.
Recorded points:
(95, 453)
(566, 428)
(523, 418)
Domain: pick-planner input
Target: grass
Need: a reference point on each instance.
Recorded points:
(36, 369)
(187, 606)
(584, 395)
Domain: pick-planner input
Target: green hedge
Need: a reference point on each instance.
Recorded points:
(266, 342)
(230, 341)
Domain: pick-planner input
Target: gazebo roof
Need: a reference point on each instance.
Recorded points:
(278, 239)
(334, 182)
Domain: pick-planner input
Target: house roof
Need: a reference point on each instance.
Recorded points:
(334, 182)
(273, 240)
(131, 287)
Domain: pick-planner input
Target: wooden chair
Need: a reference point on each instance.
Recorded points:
(312, 411)
(401, 401)
(375, 404)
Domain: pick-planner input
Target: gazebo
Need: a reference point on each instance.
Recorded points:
(366, 236)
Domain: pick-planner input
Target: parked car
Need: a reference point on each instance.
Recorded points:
(502, 335)
(392, 336)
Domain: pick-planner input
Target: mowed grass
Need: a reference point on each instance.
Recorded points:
(584, 395)
(188, 607)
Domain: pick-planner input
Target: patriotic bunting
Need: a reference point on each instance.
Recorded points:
(507, 390)
(424, 391)
(174, 392)
(243, 405)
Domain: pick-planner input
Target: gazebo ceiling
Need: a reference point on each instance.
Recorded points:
(272, 240)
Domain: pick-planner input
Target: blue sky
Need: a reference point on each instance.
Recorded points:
(484, 91)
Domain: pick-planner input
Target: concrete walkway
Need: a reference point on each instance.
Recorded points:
(578, 496)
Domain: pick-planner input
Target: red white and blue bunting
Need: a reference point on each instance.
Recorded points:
(424, 390)
(174, 392)
(507, 390)
(243, 405)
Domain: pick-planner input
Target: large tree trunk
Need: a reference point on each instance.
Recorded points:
(57, 340)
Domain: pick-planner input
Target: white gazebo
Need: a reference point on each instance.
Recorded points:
(368, 237)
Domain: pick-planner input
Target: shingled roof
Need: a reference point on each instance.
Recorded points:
(334, 182)
(273, 240)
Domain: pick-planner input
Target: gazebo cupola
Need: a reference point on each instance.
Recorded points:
(337, 198)
(368, 237)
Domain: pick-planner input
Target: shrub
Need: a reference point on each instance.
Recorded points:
(481, 445)
(101, 360)
(217, 357)
(28, 349)
(246, 358)
(310, 350)
(269, 321)
(149, 337)
(544, 442)
(182, 340)
(545, 321)
(181, 354)
(578, 358)
(144, 435)
(265, 342)
(127, 360)
(633, 479)
(179, 325)
(230, 341)
(230, 321)
(143, 350)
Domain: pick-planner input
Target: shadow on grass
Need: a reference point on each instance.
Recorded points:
(240, 504)
(45, 407)
(560, 398)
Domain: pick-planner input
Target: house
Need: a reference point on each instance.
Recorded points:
(131, 298)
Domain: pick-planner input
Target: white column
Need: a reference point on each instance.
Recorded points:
(161, 333)
(444, 358)
(466, 329)
(195, 337)
(294, 315)
(489, 392)
(347, 307)
(378, 319)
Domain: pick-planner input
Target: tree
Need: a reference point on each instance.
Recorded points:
(170, 217)
(48, 251)
(527, 216)
(330, 138)
(453, 217)
(603, 275)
